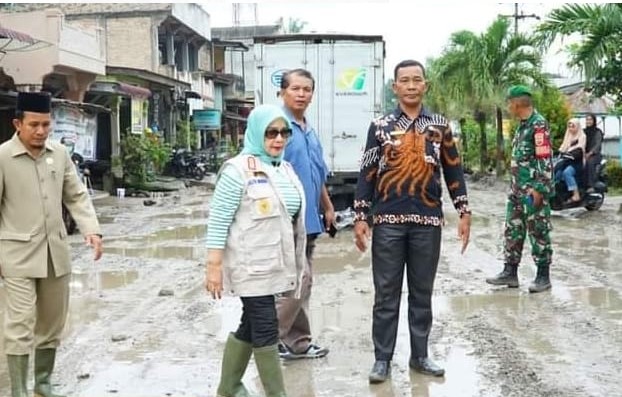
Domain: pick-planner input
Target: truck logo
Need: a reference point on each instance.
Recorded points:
(277, 76)
(351, 81)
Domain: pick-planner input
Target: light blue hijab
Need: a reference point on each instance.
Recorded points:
(258, 120)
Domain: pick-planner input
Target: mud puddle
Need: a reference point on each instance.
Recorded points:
(189, 214)
(184, 242)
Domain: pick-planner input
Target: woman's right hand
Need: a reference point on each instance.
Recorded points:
(213, 281)
(213, 273)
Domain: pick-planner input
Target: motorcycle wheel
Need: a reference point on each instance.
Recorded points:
(197, 173)
(595, 205)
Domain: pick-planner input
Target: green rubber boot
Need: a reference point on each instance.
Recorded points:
(234, 362)
(18, 373)
(269, 368)
(44, 366)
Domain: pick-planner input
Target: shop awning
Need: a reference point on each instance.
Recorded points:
(118, 88)
(133, 90)
(192, 95)
(12, 40)
(8, 100)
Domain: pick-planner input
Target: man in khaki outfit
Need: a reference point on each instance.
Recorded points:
(36, 178)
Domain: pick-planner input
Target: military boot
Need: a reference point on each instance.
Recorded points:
(234, 362)
(508, 276)
(18, 373)
(269, 368)
(44, 366)
(542, 281)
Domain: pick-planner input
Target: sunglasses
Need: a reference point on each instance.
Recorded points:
(272, 133)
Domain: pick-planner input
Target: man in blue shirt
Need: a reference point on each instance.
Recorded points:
(304, 152)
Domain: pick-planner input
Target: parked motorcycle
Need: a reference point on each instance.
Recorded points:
(185, 164)
(82, 170)
(592, 201)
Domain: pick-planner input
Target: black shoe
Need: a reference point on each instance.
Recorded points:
(542, 281)
(508, 277)
(380, 372)
(426, 366)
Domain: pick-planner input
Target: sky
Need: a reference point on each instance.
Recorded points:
(411, 29)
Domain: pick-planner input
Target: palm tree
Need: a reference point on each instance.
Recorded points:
(478, 69)
(600, 26)
(293, 25)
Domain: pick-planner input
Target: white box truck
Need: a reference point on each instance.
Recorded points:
(349, 92)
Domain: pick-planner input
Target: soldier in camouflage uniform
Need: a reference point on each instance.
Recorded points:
(528, 209)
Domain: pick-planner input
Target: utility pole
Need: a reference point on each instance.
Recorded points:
(245, 14)
(516, 16)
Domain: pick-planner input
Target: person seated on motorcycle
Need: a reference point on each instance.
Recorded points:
(593, 142)
(573, 150)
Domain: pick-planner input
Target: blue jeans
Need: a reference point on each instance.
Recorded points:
(568, 174)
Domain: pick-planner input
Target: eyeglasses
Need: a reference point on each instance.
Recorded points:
(272, 133)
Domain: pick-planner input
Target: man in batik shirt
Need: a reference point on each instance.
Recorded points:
(399, 188)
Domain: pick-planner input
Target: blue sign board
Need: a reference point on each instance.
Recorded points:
(276, 77)
(206, 119)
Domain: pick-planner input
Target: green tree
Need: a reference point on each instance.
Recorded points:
(186, 135)
(598, 54)
(292, 26)
(476, 70)
(142, 156)
(390, 100)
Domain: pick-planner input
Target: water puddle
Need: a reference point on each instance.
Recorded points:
(102, 280)
(195, 214)
(606, 301)
(334, 255)
(462, 380)
(185, 242)
(105, 219)
(160, 252)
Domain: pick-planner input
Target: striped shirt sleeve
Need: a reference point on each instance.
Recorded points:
(225, 203)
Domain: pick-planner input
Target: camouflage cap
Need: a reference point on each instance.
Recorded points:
(518, 90)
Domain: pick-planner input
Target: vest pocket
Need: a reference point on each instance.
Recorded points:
(265, 260)
(264, 203)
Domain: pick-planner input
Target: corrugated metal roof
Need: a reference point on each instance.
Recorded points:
(6, 33)
(582, 101)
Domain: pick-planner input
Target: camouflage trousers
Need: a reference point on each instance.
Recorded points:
(522, 218)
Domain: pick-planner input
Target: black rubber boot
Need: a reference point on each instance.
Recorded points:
(508, 277)
(542, 281)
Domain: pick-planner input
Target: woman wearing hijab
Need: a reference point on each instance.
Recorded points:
(593, 142)
(573, 146)
(256, 247)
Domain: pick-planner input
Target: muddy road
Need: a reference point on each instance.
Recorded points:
(141, 324)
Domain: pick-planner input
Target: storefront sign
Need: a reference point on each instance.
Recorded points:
(78, 128)
(138, 115)
(206, 119)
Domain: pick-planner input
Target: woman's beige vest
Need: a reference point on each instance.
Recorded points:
(265, 250)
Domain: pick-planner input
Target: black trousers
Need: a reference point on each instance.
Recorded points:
(393, 246)
(590, 167)
(259, 325)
